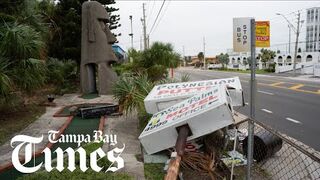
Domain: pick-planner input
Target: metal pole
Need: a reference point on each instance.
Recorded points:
(204, 53)
(131, 34)
(296, 46)
(144, 27)
(252, 99)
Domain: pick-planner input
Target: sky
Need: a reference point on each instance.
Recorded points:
(185, 24)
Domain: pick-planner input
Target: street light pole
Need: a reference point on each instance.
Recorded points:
(296, 46)
(131, 34)
(297, 31)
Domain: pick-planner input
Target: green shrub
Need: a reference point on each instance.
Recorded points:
(63, 74)
(185, 78)
(5, 79)
(271, 68)
(29, 74)
(131, 90)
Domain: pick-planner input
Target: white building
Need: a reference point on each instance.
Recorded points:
(240, 60)
(313, 30)
(305, 60)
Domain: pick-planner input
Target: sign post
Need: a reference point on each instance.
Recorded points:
(252, 99)
(244, 40)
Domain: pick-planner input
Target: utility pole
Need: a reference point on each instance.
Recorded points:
(131, 34)
(204, 53)
(296, 46)
(144, 27)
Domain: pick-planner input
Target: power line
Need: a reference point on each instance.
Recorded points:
(300, 42)
(154, 23)
(164, 12)
(151, 11)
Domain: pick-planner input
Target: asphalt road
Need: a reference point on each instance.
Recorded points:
(288, 105)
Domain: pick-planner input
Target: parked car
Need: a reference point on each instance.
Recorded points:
(211, 66)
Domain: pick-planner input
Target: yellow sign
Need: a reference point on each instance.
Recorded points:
(262, 34)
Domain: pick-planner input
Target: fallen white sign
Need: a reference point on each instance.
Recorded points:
(165, 95)
(204, 113)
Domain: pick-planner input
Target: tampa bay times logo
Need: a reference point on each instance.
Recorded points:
(27, 144)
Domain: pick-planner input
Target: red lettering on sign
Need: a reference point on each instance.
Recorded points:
(183, 110)
(175, 91)
(169, 116)
(262, 38)
(163, 92)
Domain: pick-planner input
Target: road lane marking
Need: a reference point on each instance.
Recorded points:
(293, 120)
(296, 86)
(246, 103)
(276, 84)
(265, 92)
(267, 111)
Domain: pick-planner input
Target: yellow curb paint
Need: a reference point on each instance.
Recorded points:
(298, 90)
(296, 86)
(276, 84)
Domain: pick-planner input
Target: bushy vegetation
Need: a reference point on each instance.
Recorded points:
(154, 61)
(26, 31)
(77, 174)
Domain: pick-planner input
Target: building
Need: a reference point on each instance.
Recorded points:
(313, 30)
(195, 61)
(119, 52)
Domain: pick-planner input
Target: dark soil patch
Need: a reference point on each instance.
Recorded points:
(13, 122)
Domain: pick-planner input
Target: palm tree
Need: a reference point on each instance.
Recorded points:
(18, 42)
(201, 57)
(5, 80)
(156, 60)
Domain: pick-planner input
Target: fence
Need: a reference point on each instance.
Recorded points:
(278, 156)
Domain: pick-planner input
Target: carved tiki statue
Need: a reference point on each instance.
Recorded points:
(96, 50)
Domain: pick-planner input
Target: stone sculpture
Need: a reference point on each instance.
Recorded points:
(96, 50)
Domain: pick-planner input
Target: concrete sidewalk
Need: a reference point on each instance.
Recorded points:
(126, 129)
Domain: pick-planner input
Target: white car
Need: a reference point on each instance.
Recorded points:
(211, 66)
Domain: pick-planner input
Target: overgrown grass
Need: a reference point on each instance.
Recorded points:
(75, 175)
(17, 121)
(154, 171)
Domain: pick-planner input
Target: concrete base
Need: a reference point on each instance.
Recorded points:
(155, 158)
